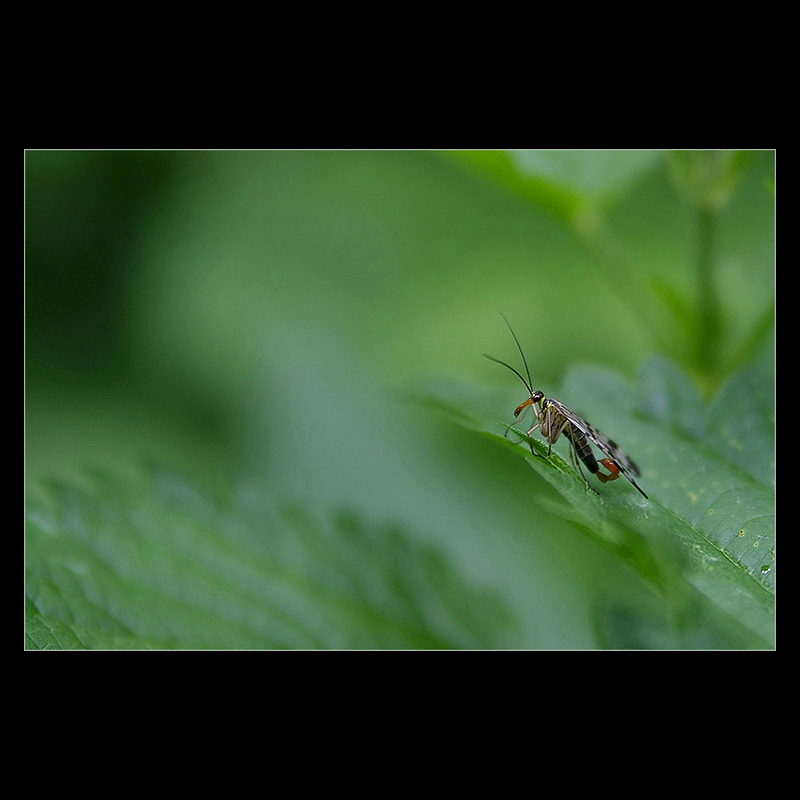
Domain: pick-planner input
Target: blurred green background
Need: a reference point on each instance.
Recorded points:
(265, 320)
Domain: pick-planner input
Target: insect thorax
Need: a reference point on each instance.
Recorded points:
(553, 421)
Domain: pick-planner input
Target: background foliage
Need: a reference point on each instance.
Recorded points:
(243, 369)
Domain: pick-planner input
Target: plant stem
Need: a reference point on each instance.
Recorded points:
(709, 308)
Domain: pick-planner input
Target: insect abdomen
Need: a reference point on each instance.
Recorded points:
(582, 448)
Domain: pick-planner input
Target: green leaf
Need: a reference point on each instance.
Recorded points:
(591, 173)
(565, 183)
(154, 563)
(707, 177)
(705, 539)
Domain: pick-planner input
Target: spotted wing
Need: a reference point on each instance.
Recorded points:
(608, 446)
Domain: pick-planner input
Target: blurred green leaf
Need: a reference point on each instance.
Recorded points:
(564, 182)
(590, 173)
(707, 178)
(709, 524)
(500, 167)
(154, 563)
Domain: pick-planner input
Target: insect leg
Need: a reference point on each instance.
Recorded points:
(530, 434)
(549, 431)
(523, 410)
(508, 430)
(521, 415)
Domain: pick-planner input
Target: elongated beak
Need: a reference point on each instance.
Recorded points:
(523, 406)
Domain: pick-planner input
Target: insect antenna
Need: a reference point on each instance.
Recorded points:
(498, 361)
(529, 384)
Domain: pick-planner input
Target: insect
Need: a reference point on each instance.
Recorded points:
(555, 418)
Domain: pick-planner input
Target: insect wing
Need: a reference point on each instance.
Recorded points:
(608, 446)
(612, 449)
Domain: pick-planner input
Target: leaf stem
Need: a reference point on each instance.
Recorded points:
(709, 307)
